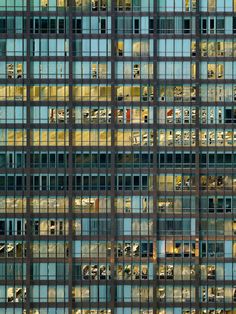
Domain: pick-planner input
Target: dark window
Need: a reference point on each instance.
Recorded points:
(44, 159)
(204, 26)
(53, 26)
(169, 158)
(178, 158)
(2, 25)
(19, 227)
(186, 26)
(220, 25)
(44, 182)
(103, 159)
(61, 26)
(36, 26)
(228, 115)
(77, 26)
(162, 158)
(11, 182)
(52, 160)
(52, 183)
(234, 24)
(151, 26)
(102, 182)
(2, 160)
(2, 227)
(136, 26)
(44, 26)
(61, 183)
(61, 160)
(103, 26)
(19, 183)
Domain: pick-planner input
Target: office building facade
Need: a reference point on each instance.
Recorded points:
(117, 156)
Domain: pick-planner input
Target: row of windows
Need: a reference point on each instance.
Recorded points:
(142, 310)
(187, 70)
(209, 294)
(43, 310)
(17, 25)
(185, 160)
(178, 93)
(102, 137)
(217, 48)
(217, 160)
(166, 248)
(209, 271)
(123, 47)
(127, 115)
(187, 47)
(128, 226)
(131, 271)
(125, 293)
(13, 270)
(102, 92)
(15, 5)
(123, 271)
(80, 93)
(81, 70)
(128, 204)
(103, 159)
(144, 226)
(12, 226)
(80, 47)
(123, 204)
(92, 249)
(86, 204)
(102, 47)
(169, 182)
(210, 204)
(123, 5)
(176, 182)
(79, 5)
(187, 93)
(176, 205)
(16, 293)
(43, 47)
(102, 25)
(211, 137)
(204, 6)
(123, 25)
(84, 182)
(166, 310)
(123, 70)
(49, 227)
(90, 25)
(210, 249)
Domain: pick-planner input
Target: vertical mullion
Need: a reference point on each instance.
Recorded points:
(197, 161)
(113, 152)
(28, 169)
(154, 215)
(70, 169)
